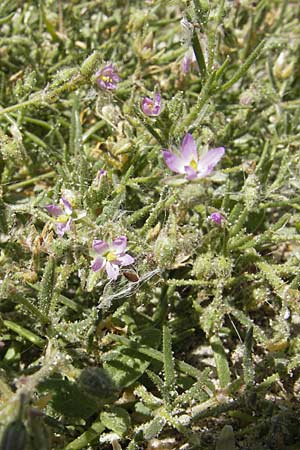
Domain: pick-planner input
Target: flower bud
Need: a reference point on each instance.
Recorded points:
(207, 266)
(89, 64)
(165, 249)
(282, 69)
(216, 218)
(203, 266)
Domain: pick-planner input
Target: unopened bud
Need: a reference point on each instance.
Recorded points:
(165, 249)
(282, 70)
(90, 64)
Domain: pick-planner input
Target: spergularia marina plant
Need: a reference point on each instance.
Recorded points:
(111, 256)
(188, 162)
(149, 282)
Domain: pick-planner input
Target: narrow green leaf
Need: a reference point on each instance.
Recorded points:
(153, 428)
(221, 361)
(23, 332)
(199, 54)
(201, 102)
(157, 381)
(75, 129)
(49, 26)
(169, 370)
(238, 223)
(125, 365)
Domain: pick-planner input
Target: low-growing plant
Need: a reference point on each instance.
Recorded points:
(149, 224)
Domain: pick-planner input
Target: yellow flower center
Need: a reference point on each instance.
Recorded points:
(193, 164)
(106, 79)
(111, 256)
(62, 218)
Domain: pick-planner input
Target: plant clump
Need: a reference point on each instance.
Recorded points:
(149, 225)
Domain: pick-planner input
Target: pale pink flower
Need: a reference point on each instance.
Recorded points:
(188, 163)
(111, 256)
(151, 107)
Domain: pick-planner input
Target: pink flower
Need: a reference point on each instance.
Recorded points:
(111, 256)
(151, 107)
(62, 215)
(108, 78)
(188, 163)
(217, 218)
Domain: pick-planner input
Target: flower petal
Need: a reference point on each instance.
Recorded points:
(157, 98)
(124, 260)
(98, 264)
(67, 206)
(191, 174)
(101, 173)
(189, 59)
(186, 64)
(119, 244)
(112, 270)
(173, 162)
(100, 246)
(208, 161)
(54, 210)
(189, 149)
(63, 227)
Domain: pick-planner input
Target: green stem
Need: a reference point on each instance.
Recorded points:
(18, 106)
(243, 69)
(195, 111)
(20, 184)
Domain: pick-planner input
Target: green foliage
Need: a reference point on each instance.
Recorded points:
(196, 344)
(116, 419)
(69, 399)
